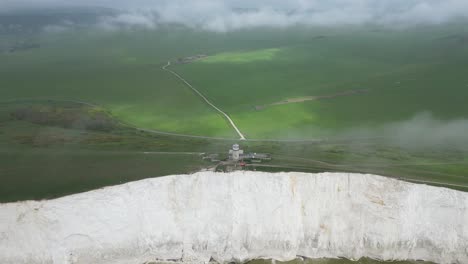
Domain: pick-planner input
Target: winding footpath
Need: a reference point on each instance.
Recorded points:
(242, 137)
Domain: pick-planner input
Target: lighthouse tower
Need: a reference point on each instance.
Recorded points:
(235, 153)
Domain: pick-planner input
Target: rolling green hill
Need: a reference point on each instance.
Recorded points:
(361, 78)
(361, 73)
(296, 83)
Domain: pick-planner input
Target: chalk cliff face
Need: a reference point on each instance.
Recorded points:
(240, 216)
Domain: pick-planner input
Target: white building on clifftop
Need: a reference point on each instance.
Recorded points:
(235, 153)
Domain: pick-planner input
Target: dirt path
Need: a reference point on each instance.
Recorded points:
(242, 137)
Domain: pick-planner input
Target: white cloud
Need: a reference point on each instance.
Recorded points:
(55, 28)
(224, 15)
(128, 20)
(420, 131)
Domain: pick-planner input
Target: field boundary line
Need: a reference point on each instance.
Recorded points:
(165, 67)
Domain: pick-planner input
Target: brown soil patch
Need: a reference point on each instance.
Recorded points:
(190, 59)
(314, 98)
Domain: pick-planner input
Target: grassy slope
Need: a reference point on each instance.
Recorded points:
(48, 173)
(44, 161)
(415, 70)
(41, 161)
(121, 72)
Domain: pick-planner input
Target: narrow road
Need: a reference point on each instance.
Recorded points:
(205, 99)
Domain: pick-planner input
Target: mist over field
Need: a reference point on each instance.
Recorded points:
(421, 131)
(228, 15)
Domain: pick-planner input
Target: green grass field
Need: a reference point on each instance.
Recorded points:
(50, 157)
(420, 69)
(56, 151)
(53, 148)
(125, 78)
(405, 73)
(121, 71)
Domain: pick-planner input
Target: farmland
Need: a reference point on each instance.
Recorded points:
(420, 71)
(248, 69)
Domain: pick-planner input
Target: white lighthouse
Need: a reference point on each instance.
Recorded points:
(235, 153)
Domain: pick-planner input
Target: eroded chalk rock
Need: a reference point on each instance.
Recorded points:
(240, 216)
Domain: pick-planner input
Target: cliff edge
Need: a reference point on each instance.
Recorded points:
(240, 216)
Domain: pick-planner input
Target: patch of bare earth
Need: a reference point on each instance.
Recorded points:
(190, 59)
(313, 98)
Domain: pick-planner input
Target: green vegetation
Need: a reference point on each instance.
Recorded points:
(77, 107)
(72, 110)
(403, 73)
(54, 172)
(70, 151)
(125, 79)
(245, 72)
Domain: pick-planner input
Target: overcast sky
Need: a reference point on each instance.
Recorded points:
(218, 15)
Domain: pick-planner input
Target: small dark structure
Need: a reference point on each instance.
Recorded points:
(256, 157)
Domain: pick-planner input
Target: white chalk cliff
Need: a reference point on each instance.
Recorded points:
(240, 216)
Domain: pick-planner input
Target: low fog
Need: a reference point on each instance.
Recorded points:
(420, 131)
(227, 15)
